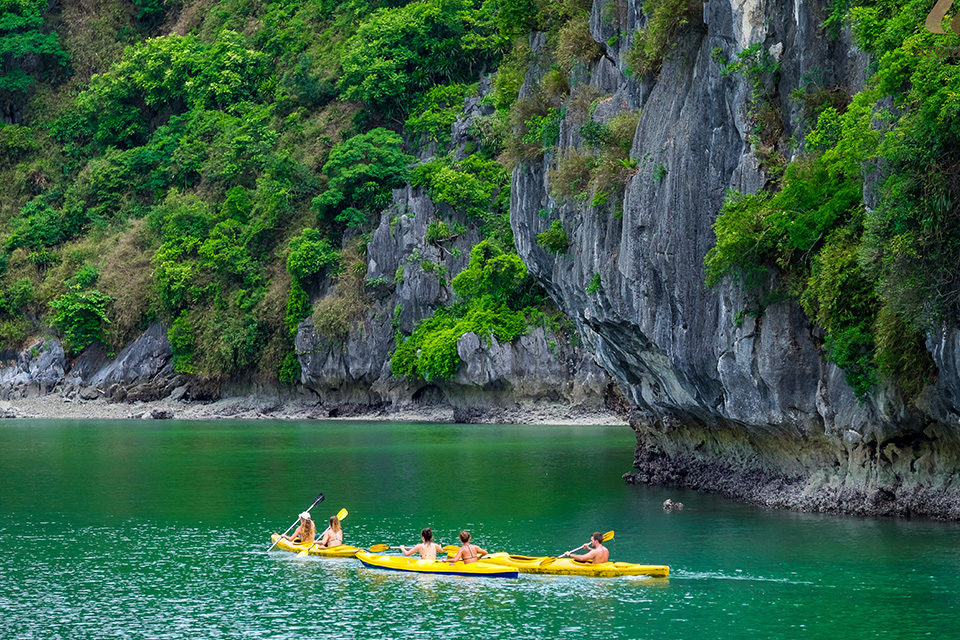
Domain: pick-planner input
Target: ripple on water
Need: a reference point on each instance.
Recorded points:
(681, 574)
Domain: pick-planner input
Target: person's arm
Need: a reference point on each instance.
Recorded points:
(480, 552)
(586, 557)
(569, 554)
(410, 551)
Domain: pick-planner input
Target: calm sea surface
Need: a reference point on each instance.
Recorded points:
(135, 529)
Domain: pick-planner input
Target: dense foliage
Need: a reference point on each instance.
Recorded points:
(398, 54)
(362, 172)
(25, 47)
(494, 295)
(220, 168)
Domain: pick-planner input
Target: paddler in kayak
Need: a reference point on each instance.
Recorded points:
(427, 548)
(469, 553)
(333, 536)
(305, 533)
(598, 553)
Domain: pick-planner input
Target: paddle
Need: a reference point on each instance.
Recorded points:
(343, 513)
(606, 537)
(315, 503)
(377, 548)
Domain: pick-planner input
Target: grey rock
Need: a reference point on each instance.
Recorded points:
(142, 371)
(346, 373)
(90, 393)
(745, 406)
(145, 360)
(157, 414)
(180, 392)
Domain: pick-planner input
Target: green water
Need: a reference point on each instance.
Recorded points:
(133, 529)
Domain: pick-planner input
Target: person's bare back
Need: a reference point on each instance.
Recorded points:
(427, 548)
(598, 553)
(468, 553)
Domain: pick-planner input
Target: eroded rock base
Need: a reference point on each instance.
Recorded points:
(912, 475)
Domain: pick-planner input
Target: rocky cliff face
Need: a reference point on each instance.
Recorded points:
(747, 406)
(413, 278)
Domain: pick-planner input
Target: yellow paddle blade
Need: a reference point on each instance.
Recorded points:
(343, 513)
(377, 548)
(608, 536)
(304, 552)
(451, 549)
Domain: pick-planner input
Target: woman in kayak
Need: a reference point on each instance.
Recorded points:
(469, 553)
(427, 549)
(597, 554)
(333, 536)
(305, 533)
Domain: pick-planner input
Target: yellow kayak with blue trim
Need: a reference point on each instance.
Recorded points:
(419, 565)
(340, 551)
(571, 567)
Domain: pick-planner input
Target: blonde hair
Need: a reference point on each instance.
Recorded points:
(335, 523)
(308, 529)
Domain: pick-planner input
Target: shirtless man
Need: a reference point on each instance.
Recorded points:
(467, 552)
(427, 549)
(597, 554)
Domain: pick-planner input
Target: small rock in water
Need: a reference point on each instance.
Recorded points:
(156, 414)
(670, 505)
(9, 412)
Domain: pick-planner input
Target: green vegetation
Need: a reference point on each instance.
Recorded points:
(398, 53)
(80, 315)
(438, 110)
(554, 239)
(24, 42)
(495, 297)
(476, 186)
(875, 279)
(595, 284)
(363, 170)
(600, 169)
(219, 168)
(665, 20)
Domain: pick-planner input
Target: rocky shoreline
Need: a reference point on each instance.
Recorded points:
(56, 406)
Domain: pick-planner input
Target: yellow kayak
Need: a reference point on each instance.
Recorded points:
(417, 565)
(571, 567)
(341, 551)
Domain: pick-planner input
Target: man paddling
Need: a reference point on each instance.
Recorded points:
(597, 554)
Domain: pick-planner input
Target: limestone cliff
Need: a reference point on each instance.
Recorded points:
(747, 406)
(413, 277)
